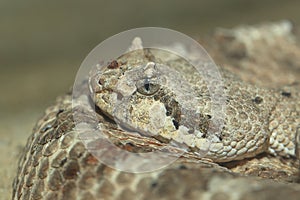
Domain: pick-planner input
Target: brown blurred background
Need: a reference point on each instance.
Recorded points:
(42, 44)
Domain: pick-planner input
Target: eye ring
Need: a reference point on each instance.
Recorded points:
(147, 87)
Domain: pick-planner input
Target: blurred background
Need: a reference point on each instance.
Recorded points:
(42, 44)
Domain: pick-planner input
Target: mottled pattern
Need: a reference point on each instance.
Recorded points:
(63, 169)
(56, 165)
(179, 107)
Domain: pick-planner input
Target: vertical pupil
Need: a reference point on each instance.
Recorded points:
(147, 85)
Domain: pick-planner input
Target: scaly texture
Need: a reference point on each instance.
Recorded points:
(56, 165)
(145, 93)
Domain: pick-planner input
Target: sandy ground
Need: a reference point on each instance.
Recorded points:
(13, 132)
(16, 123)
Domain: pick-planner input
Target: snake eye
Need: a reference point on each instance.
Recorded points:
(147, 87)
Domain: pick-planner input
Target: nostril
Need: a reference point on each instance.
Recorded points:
(101, 81)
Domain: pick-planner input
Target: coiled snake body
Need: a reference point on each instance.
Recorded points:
(259, 132)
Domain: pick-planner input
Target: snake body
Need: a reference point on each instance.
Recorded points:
(260, 124)
(177, 105)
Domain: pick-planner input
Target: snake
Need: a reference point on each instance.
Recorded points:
(149, 100)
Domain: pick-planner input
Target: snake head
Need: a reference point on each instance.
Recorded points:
(168, 100)
(123, 78)
(152, 98)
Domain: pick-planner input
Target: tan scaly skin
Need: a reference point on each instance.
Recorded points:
(153, 95)
(56, 165)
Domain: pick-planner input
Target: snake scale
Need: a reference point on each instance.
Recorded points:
(153, 94)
